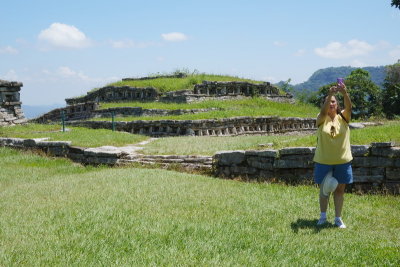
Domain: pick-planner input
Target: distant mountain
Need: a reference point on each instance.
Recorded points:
(34, 111)
(328, 75)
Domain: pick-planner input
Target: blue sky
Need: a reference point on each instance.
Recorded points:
(60, 49)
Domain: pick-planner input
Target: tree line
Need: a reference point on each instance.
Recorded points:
(368, 99)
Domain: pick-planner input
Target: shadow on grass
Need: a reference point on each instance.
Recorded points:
(309, 224)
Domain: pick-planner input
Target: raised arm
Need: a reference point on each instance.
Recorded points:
(325, 107)
(347, 102)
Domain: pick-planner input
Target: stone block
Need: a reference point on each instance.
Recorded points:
(76, 157)
(104, 151)
(297, 150)
(382, 144)
(385, 151)
(368, 175)
(373, 162)
(262, 153)
(101, 160)
(13, 142)
(229, 157)
(242, 170)
(292, 163)
(295, 175)
(76, 150)
(260, 163)
(360, 150)
(393, 174)
(29, 142)
(52, 143)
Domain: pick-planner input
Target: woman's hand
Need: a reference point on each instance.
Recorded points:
(341, 88)
(333, 90)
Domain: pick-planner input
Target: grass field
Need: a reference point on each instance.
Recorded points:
(79, 136)
(230, 108)
(205, 145)
(55, 213)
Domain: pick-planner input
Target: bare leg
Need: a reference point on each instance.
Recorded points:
(338, 198)
(323, 203)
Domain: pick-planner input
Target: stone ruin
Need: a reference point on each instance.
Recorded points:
(205, 91)
(115, 94)
(86, 107)
(10, 104)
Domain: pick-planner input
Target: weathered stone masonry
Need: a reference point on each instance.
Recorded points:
(376, 167)
(89, 110)
(114, 94)
(201, 92)
(10, 104)
(214, 127)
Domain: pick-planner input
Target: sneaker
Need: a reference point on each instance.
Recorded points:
(339, 223)
(321, 221)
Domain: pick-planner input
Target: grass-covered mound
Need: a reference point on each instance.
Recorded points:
(55, 213)
(174, 84)
(252, 107)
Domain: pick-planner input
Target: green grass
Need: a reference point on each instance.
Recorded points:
(205, 145)
(230, 108)
(79, 136)
(174, 84)
(55, 213)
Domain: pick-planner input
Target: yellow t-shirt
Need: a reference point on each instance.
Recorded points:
(333, 145)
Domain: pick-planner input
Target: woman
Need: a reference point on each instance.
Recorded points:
(333, 151)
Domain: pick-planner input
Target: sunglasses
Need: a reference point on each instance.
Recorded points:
(332, 131)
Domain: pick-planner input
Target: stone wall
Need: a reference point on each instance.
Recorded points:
(107, 155)
(10, 104)
(115, 94)
(235, 88)
(225, 91)
(205, 91)
(89, 110)
(72, 112)
(214, 127)
(376, 167)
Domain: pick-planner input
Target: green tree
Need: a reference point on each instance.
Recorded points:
(396, 3)
(286, 87)
(364, 94)
(391, 92)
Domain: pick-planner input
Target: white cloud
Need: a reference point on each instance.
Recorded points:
(395, 53)
(350, 49)
(60, 35)
(279, 43)
(160, 59)
(65, 72)
(358, 64)
(8, 50)
(300, 52)
(174, 37)
(11, 75)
